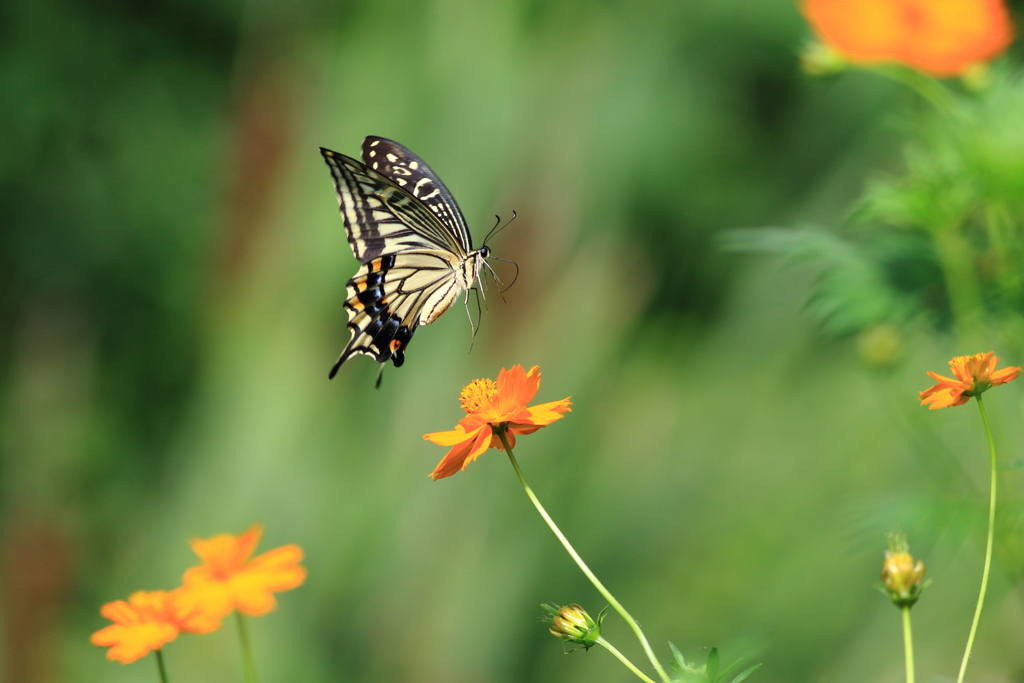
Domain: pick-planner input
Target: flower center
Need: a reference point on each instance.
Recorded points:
(478, 394)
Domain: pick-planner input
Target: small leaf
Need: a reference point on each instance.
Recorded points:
(711, 668)
(725, 672)
(680, 661)
(746, 673)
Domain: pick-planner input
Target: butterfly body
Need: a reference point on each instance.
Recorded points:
(411, 238)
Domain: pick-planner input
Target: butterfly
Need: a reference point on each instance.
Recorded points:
(405, 228)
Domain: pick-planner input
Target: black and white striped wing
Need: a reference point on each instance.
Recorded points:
(391, 296)
(381, 218)
(408, 171)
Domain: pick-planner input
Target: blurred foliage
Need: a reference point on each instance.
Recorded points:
(942, 239)
(172, 270)
(708, 672)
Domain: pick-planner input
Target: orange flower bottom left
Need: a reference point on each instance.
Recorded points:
(144, 623)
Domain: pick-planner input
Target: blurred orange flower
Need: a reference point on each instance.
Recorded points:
(974, 375)
(490, 406)
(228, 580)
(146, 622)
(939, 37)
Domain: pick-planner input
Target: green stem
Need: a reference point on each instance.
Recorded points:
(248, 661)
(616, 605)
(927, 87)
(908, 644)
(160, 665)
(988, 544)
(959, 269)
(622, 658)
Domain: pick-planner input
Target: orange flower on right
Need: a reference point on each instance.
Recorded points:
(939, 37)
(492, 406)
(974, 375)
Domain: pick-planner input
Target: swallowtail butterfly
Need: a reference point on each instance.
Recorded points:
(406, 229)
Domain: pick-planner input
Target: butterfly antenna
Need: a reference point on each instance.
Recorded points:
(506, 261)
(495, 230)
(380, 376)
(497, 220)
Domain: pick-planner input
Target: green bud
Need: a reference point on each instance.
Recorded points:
(573, 624)
(902, 576)
(818, 59)
(881, 345)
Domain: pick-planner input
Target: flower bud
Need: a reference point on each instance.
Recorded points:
(881, 345)
(818, 59)
(573, 624)
(977, 77)
(902, 576)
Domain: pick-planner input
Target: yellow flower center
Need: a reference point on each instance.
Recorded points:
(974, 367)
(478, 394)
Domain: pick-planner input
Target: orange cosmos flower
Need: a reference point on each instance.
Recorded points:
(492, 406)
(228, 580)
(939, 37)
(974, 375)
(146, 622)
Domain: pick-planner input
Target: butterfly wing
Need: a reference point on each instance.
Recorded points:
(381, 218)
(391, 296)
(408, 171)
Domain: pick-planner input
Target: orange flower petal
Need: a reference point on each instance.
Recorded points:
(131, 643)
(947, 37)
(945, 398)
(225, 553)
(1003, 376)
(524, 429)
(546, 413)
(509, 436)
(865, 31)
(516, 388)
(452, 438)
(201, 604)
(944, 380)
(458, 457)
(272, 572)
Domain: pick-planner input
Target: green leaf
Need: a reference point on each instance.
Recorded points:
(679, 663)
(746, 673)
(725, 672)
(852, 291)
(711, 668)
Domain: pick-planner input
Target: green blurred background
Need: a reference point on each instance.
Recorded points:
(172, 271)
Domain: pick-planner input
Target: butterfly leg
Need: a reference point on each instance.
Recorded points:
(474, 327)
